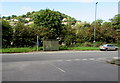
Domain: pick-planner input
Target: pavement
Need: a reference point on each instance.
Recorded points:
(60, 66)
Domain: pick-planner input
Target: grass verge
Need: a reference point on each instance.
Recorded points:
(19, 50)
(28, 49)
(83, 48)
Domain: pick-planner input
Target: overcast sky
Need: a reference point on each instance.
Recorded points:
(83, 10)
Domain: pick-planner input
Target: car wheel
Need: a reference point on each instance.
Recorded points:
(106, 49)
(116, 49)
(101, 50)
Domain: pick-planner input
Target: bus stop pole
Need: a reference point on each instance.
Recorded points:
(37, 42)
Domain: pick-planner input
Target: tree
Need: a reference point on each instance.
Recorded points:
(8, 18)
(50, 19)
(116, 21)
(107, 33)
(69, 35)
(13, 16)
(7, 33)
(69, 19)
(104, 33)
(3, 17)
(23, 36)
(26, 35)
(99, 22)
(83, 35)
(20, 19)
(28, 13)
(86, 25)
(23, 16)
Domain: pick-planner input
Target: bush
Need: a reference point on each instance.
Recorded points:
(87, 44)
(99, 43)
(91, 44)
(63, 47)
(77, 45)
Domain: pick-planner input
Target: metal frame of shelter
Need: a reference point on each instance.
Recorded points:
(50, 45)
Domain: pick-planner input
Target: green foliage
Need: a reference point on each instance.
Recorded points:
(91, 44)
(49, 24)
(63, 47)
(51, 20)
(87, 44)
(69, 36)
(83, 35)
(69, 19)
(26, 35)
(8, 18)
(28, 14)
(23, 35)
(106, 33)
(20, 19)
(14, 16)
(7, 33)
(23, 16)
(99, 22)
(116, 21)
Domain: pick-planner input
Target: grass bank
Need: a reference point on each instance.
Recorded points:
(83, 48)
(19, 50)
(29, 49)
(33, 49)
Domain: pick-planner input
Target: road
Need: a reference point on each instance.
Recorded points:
(60, 66)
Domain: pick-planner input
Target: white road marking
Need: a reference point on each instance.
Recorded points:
(61, 69)
(58, 68)
(77, 59)
(91, 59)
(84, 59)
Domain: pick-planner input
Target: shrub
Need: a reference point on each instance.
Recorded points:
(63, 47)
(87, 44)
(77, 45)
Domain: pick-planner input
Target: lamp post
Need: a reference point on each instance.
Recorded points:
(95, 24)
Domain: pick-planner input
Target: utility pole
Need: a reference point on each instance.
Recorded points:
(95, 24)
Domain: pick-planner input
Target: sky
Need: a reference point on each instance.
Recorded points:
(83, 10)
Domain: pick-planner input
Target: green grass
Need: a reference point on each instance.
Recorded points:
(83, 48)
(28, 49)
(19, 50)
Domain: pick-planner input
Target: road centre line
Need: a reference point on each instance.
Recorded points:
(84, 59)
(68, 60)
(77, 59)
(91, 59)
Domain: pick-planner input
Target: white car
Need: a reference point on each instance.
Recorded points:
(107, 47)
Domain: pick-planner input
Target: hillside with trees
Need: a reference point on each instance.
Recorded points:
(21, 31)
